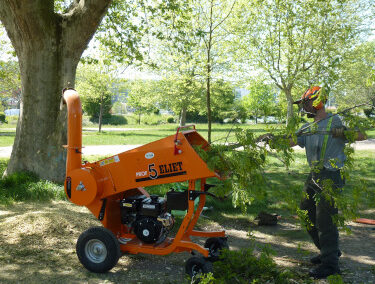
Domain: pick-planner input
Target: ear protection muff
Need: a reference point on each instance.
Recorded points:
(317, 100)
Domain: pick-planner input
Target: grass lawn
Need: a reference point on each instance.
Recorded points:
(7, 138)
(153, 133)
(142, 134)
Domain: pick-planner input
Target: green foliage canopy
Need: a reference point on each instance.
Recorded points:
(130, 28)
(297, 43)
(357, 77)
(261, 99)
(181, 93)
(142, 95)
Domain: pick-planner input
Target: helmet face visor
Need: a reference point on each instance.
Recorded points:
(305, 106)
(308, 107)
(297, 102)
(304, 101)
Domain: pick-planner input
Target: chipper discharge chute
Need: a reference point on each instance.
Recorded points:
(133, 220)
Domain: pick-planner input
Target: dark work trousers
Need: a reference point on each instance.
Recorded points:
(323, 232)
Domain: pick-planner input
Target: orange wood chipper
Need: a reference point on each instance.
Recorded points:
(133, 220)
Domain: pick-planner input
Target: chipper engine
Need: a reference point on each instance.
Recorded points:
(133, 220)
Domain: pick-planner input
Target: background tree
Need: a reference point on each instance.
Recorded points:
(177, 56)
(10, 83)
(222, 103)
(181, 87)
(142, 96)
(356, 83)
(209, 20)
(181, 94)
(94, 83)
(297, 42)
(120, 98)
(260, 101)
(223, 97)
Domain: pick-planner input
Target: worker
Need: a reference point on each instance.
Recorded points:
(325, 155)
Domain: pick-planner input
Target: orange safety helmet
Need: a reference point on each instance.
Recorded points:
(316, 95)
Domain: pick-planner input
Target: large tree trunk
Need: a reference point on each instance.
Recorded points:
(48, 46)
(41, 129)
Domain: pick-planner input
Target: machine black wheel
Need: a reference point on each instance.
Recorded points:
(196, 265)
(98, 249)
(215, 245)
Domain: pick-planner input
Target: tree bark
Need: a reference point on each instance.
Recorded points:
(183, 116)
(208, 100)
(290, 112)
(101, 113)
(209, 70)
(48, 47)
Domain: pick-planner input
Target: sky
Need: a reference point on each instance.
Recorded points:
(5, 44)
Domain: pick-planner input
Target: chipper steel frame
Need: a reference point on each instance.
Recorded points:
(133, 221)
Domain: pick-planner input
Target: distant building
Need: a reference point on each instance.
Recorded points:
(11, 112)
(168, 112)
(239, 93)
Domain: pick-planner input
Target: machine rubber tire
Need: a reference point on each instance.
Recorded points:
(195, 265)
(215, 245)
(98, 249)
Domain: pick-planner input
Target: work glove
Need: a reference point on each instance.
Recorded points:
(338, 132)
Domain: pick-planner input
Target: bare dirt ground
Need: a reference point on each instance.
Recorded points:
(37, 245)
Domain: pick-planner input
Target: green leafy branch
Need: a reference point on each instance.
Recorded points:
(244, 164)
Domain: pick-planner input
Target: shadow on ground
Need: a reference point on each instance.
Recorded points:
(38, 246)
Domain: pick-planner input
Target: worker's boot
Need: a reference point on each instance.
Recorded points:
(317, 259)
(323, 271)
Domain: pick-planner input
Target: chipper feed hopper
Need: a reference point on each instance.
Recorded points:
(133, 220)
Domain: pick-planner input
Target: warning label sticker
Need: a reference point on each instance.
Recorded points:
(111, 160)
